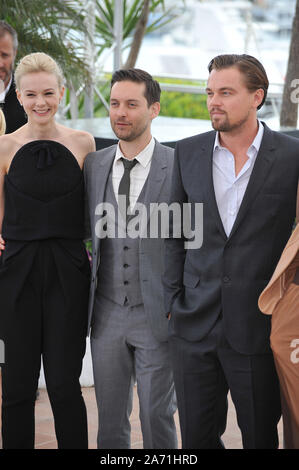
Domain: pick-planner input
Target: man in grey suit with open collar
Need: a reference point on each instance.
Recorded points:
(126, 313)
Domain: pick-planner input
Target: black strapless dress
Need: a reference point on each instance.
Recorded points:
(44, 286)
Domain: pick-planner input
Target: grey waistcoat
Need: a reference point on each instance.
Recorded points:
(118, 274)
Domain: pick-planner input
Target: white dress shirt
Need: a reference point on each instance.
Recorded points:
(138, 174)
(229, 188)
(3, 93)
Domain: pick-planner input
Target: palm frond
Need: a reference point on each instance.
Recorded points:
(51, 26)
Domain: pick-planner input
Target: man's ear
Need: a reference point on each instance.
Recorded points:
(155, 109)
(258, 97)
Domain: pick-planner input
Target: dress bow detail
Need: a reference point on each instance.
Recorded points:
(46, 155)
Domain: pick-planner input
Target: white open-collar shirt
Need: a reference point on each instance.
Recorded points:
(3, 93)
(138, 174)
(229, 188)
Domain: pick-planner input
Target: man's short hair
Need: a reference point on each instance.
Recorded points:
(6, 28)
(152, 87)
(254, 73)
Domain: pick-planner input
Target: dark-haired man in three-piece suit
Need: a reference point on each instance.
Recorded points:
(128, 326)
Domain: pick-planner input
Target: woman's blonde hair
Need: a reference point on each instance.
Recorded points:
(2, 123)
(38, 62)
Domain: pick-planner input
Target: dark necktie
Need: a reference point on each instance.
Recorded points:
(124, 185)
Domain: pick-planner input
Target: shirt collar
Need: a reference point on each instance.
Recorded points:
(258, 138)
(4, 92)
(253, 148)
(144, 157)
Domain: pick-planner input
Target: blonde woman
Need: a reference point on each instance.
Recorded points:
(44, 275)
(281, 300)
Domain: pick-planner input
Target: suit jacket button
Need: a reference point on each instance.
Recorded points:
(226, 279)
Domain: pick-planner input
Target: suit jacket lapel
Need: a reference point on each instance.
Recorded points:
(101, 174)
(262, 166)
(156, 177)
(205, 173)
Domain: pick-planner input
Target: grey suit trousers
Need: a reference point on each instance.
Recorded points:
(124, 350)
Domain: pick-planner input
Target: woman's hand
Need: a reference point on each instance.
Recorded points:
(2, 244)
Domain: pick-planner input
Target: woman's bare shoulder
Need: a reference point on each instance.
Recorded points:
(9, 144)
(87, 141)
(84, 140)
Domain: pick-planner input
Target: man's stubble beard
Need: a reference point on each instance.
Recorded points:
(133, 135)
(226, 126)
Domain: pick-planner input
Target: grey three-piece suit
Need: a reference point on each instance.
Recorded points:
(126, 312)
